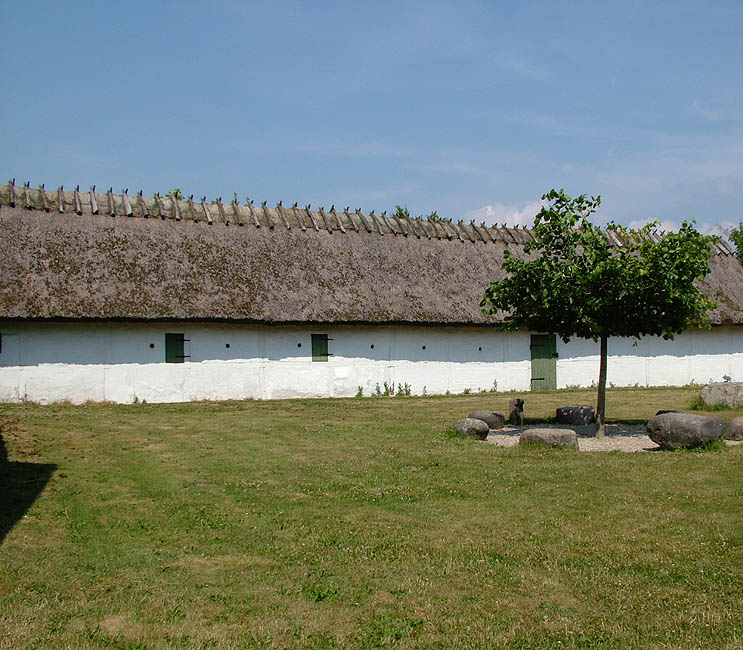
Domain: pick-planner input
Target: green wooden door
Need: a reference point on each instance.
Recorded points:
(543, 361)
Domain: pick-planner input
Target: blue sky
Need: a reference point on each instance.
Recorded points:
(473, 109)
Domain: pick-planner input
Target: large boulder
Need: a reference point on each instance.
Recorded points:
(491, 418)
(729, 393)
(575, 415)
(550, 437)
(684, 430)
(472, 427)
(735, 429)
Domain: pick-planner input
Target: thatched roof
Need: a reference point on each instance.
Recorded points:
(86, 255)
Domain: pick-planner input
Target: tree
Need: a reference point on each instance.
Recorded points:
(736, 236)
(580, 284)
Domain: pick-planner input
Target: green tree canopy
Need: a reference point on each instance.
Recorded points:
(579, 283)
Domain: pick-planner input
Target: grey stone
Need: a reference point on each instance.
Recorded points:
(550, 437)
(684, 430)
(730, 393)
(516, 411)
(735, 429)
(472, 427)
(493, 419)
(575, 415)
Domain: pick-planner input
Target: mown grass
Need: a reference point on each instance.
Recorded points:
(359, 523)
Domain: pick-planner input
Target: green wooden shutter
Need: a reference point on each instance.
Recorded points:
(320, 347)
(174, 348)
(543, 361)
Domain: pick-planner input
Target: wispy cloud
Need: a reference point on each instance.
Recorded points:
(663, 225)
(376, 196)
(717, 112)
(449, 165)
(691, 176)
(557, 126)
(511, 215)
(674, 225)
(523, 68)
(326, 146)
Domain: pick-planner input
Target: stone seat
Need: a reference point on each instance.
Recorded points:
(577, 415)
(685, 430)
(472, 427)
(493, 419)
(550, 437)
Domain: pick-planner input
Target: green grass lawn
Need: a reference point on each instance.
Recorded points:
(359, 523)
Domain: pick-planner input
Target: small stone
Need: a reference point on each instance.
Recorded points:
(472, 427)
(493, 419)
(735, 429)
(684, 430)
(576, 415)
(729, 393)
(550, 437)
(516, 411)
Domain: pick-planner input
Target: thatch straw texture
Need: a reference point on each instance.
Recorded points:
(117, 257)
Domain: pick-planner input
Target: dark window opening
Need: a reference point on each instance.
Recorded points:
(152, 345)
(299, 345)
(320, 347)
(372, 346)
(227, 345)
(174, 349)
(423, 347)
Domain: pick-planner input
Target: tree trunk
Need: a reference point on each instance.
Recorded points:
(601, 405)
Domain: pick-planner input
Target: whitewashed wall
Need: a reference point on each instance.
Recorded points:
(48, 362)
(692, 357)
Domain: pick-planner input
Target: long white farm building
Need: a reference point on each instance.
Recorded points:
(119, 298)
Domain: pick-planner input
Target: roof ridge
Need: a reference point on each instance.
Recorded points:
(91, 202)
(233, 213)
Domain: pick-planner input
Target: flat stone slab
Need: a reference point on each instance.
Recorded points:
(550, 437)
(735, 429)
(493, 419)
(730, 393)
(472, 427)
(684, 430)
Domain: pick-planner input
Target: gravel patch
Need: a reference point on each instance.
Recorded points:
(619, 437)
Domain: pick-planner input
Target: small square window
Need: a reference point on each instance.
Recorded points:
(320, 347)
(174, 348)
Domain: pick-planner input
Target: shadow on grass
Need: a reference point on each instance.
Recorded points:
(20, 486)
